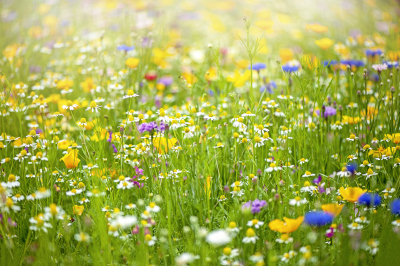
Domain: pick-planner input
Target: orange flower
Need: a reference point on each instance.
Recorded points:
(286, 226)
(351, 193)
(71, 159)
(332, 208)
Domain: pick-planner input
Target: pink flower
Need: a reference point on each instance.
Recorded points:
(380, 67)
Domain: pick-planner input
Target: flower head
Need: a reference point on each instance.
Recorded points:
(318, 218)
(71, 159)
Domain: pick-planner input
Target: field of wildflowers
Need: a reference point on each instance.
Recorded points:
(170, 132)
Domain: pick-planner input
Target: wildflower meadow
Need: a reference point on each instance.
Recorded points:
(199, 132)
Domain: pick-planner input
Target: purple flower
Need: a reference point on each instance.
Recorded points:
(139, 185)
(318, 179)
(110, 136)
(139, 171)
(329, 111)
(152, 126)
(330, 233)
(161, 127)
(166, 80)
(142, 127)
(114, 148)
(255, 205)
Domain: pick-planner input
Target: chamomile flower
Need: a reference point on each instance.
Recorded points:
(237, 192)
(70, 106)
(284, 239)
(352, 137)
(250, 237)
(355, 226)
(302, 161)
(93, 107)
(256, 223)
(288, 255)
(130, 94)
(297, 201)
(82, 237)
(273, 167)
(74, 192)
(153, 207)
(308, 174)
(371, 246)
(125, 185)
(39, 223)
(369, 173)
(130, 206)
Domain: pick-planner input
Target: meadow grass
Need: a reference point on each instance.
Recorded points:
(199, 133)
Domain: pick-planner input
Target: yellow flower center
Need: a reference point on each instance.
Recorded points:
(93, 104)
(227, 251)
(285, 237)
(11, 178)
(232, 225)
(148, 237)
(250, 232)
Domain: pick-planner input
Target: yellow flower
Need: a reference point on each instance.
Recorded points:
(64, 144)
(78, 209)
(264, 24)
(162, 145)
(332, 208)
(211, 74)
(189, 77)
(286, 226)
(395, 137)
(324, 43)
(71, 159)
(286, 55)
(132, 62)
(315, 27)
(238, 79)
(88, 85)
(351, 193)
(242, 64)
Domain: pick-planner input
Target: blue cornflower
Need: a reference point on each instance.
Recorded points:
(373, 52)
(258, 66)
(393, 64)
(329, 63)
(125, 48)
(318, 218)
(291, 66)
(395, 207)
(368, 198)
(270, 86)
(353, 62)
(351, 167)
